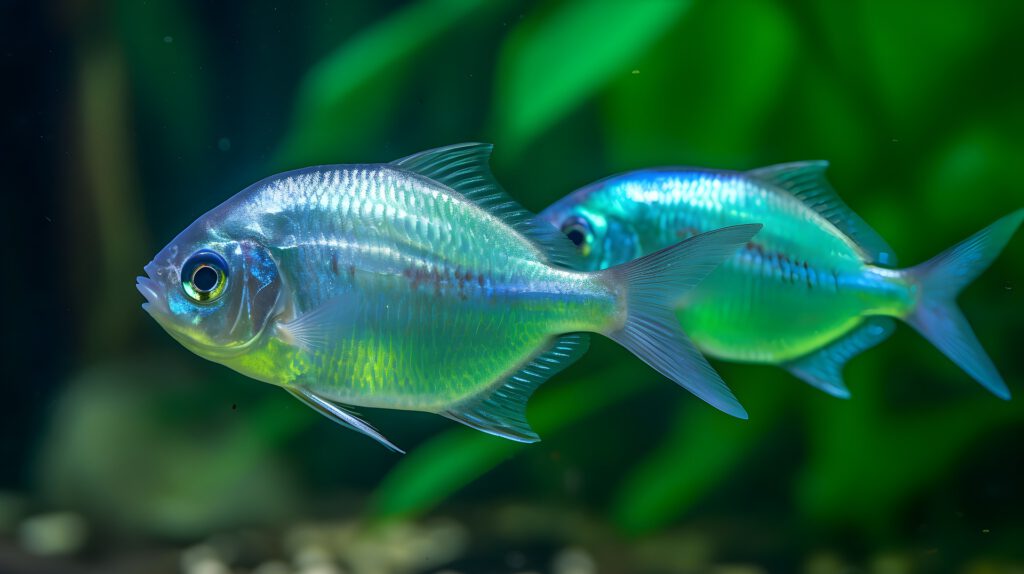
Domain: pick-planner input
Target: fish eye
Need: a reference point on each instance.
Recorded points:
(578, 231)
(204, 276)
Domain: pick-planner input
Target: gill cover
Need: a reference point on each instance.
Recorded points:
(219, 295)
(257, 286)
(602, 241)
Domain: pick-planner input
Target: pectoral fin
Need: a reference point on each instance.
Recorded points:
(823, 369)
(339, 415)
(314, 329)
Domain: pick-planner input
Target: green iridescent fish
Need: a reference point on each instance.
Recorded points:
(416, 285)
(816, 287)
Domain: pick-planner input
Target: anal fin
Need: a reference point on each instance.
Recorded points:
(339, 415)
(823, 369)
(501, 409)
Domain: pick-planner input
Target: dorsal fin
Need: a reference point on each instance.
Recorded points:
(501, 410)
(806, 181)
(465, 168)
(559, 250)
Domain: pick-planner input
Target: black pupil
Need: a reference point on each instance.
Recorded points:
(205, 279)
(576, 236)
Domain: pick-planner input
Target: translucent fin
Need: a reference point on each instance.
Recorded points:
(651, 331)
(465, 168)
(339, 415)
(314, 329)
(501, 410)
(806, 180)
(556, 246)
(823, 369)
(941, 279)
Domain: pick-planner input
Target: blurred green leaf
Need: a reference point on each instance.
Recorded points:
(914, 52)
(446, 463)
(160, 457)
(348, 97)
(707, 90)
(866, 463)
(973, 179)
(550, 65)
(167, 60)
(702, 450)
(113, 247)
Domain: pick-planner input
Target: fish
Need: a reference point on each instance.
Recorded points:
(417, 285)
(814, 289)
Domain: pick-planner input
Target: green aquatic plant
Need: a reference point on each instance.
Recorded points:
(359, 83)
(550, 65)
(451, 460)
(915, 111)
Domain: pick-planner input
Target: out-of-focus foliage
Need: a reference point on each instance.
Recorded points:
(173, 106)
(159, 477)
(348, 94)
(562, 55)
(461, 455)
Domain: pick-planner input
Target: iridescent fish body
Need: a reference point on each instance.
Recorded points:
(416, 285)
(814, 288)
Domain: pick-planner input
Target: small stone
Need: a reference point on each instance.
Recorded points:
(573, 561)
(311, 556)
(208, 566)
(196, 554)
(54, 534)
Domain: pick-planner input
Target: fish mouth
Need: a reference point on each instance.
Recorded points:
(151, 291)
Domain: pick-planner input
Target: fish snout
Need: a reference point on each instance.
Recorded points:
(152, 290)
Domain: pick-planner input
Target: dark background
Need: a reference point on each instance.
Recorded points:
(125, 120)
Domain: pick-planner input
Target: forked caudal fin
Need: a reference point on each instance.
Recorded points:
(651, 330)
(940, 280)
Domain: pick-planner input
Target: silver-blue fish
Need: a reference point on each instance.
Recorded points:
(815, 288)
(416, 285)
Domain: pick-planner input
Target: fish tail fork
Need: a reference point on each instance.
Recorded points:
(651, 285)
(940, 279)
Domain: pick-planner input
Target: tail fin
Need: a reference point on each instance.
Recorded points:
(651, 330)
(941, 279)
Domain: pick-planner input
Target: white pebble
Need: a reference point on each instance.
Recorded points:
(573, 561)
(207, 566)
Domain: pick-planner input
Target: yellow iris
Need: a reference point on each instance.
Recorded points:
(205, 283)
